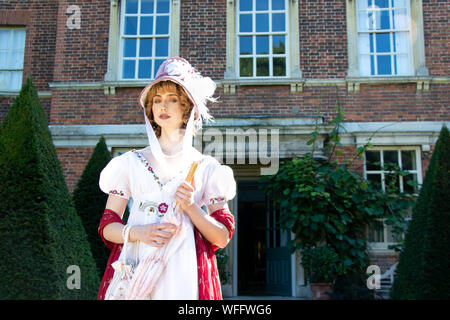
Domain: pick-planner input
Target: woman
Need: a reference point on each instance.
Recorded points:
(176, 255)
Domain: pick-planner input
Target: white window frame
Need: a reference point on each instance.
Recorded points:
(10, 50)
(383, 246)
(113, 76)
(139, 36)
(270, 34)
(391, 33)
(293, 72)
(417, 44)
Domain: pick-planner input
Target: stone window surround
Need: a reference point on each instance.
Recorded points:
(112, 78)
(421, 75)
(294, 74)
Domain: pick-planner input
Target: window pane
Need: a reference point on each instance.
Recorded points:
(145, 48)
(163, 6)
(402, 65)
(131, 6)
(391, 182)
(375, 180)
(4, 80)
(157, 65)
(409, 160)
(410, 183)
(128, 69)
(390, 158)
(130, 25)
(19, 39)
(371, 42)
(279, 66)
(16, 61)
(383, 42)
(375, 232)
(5, 36)
(372, 65)
(364, 65)
(391, 237)
(162, 25)
(245, 23)
(147, 6)
(401, 42)
(399, 3)
(162, 47)
(262, 45)
(363, 20)
(382, 20)
(146, 25)
(382, 3)
(277, 4)
(400, 19)
(363, 43)
(16, 80)
(262, 67)
(4, 59)
(262, 22)
(262, 5)
(145, 69)
(245, 5)
(129, 48)
(373, 160)
(245, 45)
(363, 4)
(246, 67)
(384, 65)
(278, 22)
(279, 46)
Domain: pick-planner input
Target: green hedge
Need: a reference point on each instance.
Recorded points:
(424, 263)
(41, 235)
(90, 202)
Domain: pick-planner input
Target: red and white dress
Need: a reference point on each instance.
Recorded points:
(191, 271)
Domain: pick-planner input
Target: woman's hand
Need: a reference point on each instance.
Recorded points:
(155, 234)
(185, 195)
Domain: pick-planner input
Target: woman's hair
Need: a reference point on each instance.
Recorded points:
(168, 86)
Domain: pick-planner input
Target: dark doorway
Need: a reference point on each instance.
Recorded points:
(264, 260)
(251, 239)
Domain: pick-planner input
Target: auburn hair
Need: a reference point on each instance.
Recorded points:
(162, 87)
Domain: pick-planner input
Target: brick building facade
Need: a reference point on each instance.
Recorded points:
(275, 63)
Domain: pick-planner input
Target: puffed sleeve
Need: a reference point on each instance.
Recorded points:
(220, 185)
(114, 178)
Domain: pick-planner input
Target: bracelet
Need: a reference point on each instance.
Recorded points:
(124, 231)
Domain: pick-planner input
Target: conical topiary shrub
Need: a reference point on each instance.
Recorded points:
(45, 250)
(90, 202)
(424, 263)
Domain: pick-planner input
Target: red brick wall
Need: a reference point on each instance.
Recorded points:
(348, 156)
(203, 35)
(93, 107)
(73, 162)
(437, 36)
(323, 39)
(82, 54)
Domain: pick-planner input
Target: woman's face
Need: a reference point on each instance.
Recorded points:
(167, 110)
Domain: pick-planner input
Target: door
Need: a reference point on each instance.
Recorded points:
(278, 257)
(264, 261)
(251, 228)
